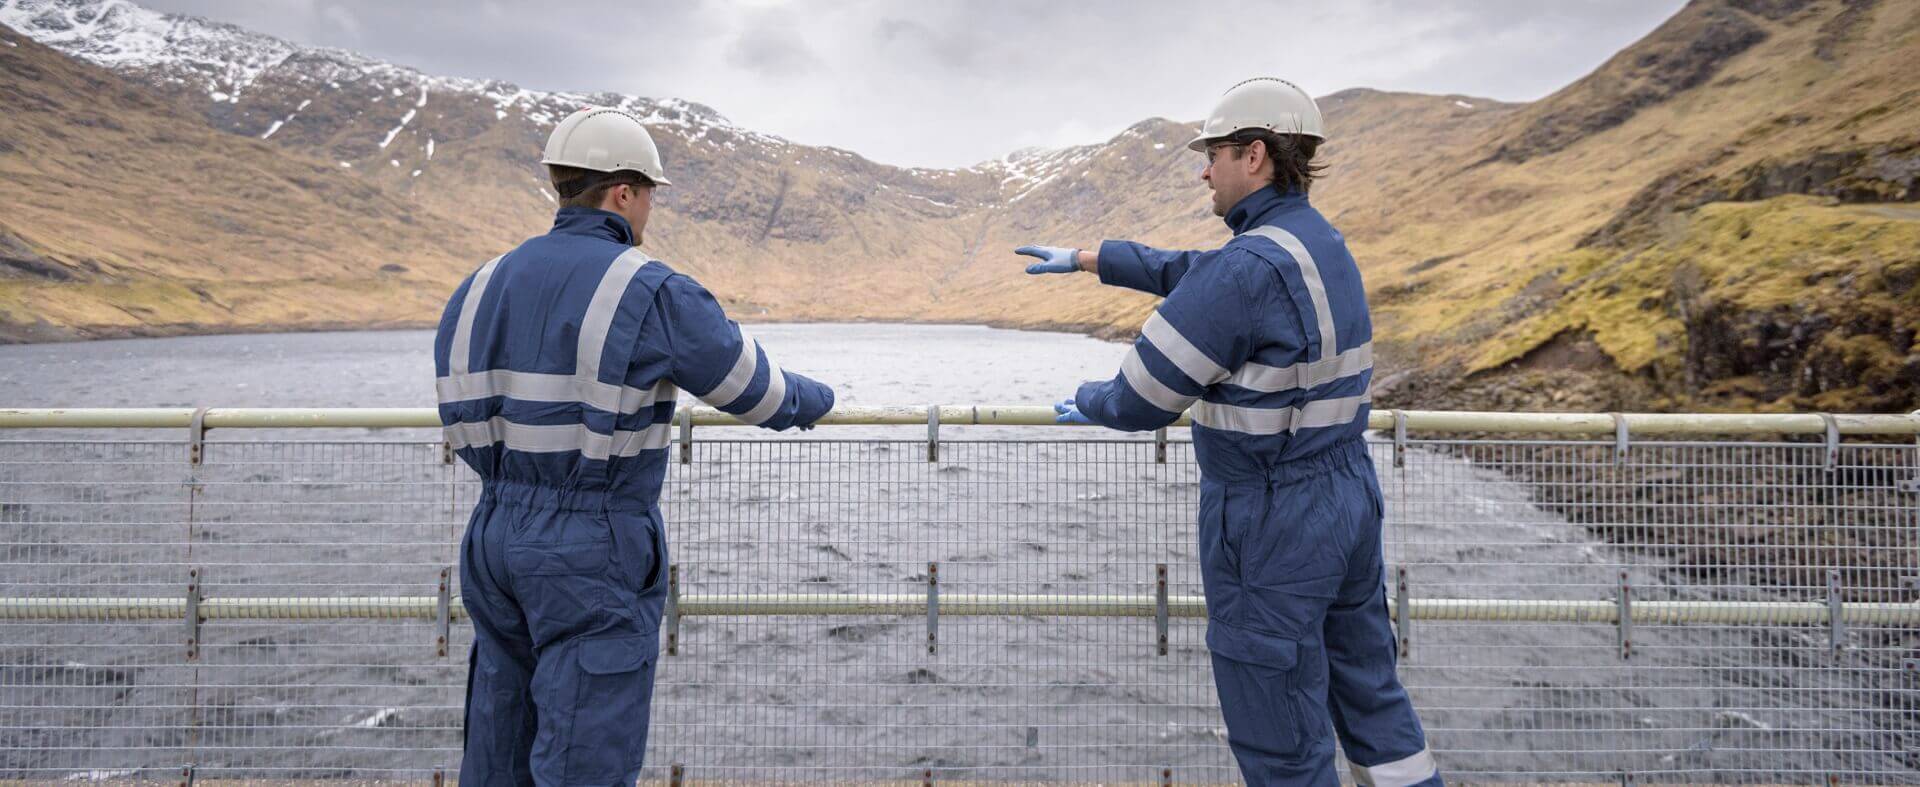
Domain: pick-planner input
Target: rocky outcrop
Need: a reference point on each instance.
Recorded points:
(1683, 53)
(1810, 354)
(1879, 173)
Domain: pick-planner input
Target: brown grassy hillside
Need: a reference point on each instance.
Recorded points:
(1655, 232)
(126, 214)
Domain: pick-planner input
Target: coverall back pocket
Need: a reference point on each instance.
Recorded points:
(562, 587)
(611, 706)
(545, 560)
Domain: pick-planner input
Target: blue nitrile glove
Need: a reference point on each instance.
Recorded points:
(1053, 259)
(1070, 414)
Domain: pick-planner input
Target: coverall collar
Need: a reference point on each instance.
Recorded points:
(1252, 210)
(594, 223)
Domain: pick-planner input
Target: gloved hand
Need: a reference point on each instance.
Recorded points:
(1054, 259)
(1070, 413)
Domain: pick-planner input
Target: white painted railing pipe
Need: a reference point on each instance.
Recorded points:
(1638, 424)
(1645, 612)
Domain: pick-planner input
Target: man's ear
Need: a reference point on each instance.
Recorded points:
(1257, 154)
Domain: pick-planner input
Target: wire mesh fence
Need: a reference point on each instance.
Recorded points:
(1015, 603)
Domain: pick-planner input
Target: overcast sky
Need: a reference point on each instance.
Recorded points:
(956, 82)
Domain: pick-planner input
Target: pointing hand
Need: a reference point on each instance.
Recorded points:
(1053, 259)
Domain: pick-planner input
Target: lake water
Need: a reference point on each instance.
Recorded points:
(865, 363)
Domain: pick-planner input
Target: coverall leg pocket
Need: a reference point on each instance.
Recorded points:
(1272, 727)
(611, 705)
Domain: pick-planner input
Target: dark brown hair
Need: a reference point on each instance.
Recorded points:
(585, 188)
(1292, 155)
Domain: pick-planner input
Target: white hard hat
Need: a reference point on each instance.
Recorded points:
(604, 139)
(1262, 102)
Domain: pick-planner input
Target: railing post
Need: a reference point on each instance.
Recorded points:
(673, 609)
(1626, 617)
(1160, 606)
(678, 776)
(440, 777)
(1912, 485)
(1833, 442)
(197, 437)
(686, 436)
(933, 433)
(933, 608)
(1399, 438)
(1402, 613)
(1836, 619)
(1619, 438)
(443, 613)
(186, 776)
(1160, 445)
(193, 614)
(1166, 777)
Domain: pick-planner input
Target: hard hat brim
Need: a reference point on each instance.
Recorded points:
(657, 180)
(1199, 143)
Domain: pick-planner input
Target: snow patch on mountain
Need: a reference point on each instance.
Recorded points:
(184, 50)
(396, 129)
(225, 63)
(123, 36)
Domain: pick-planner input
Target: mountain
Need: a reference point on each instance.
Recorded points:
(1721, 215)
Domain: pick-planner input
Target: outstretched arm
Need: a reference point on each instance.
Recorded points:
(1139, 267)
(1198, 336)
(1120, 263)
(714, 359)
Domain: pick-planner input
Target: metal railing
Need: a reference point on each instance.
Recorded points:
(1580, 597)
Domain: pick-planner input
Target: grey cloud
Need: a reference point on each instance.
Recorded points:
(919, 44)
(772, 46)
(342, 18)
(963, 81)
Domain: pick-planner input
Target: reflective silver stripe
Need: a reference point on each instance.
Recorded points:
(1399, 773)
(776, 395)
(739, 376)
(653, 438)
(594, 327)
(537, 387)
(462, 348)
(553, 439)
(1149, 387)
(584, 385)
(599, 316)
(1268, 421)
(1306, 374)
(1316, 289)
(1193, 363)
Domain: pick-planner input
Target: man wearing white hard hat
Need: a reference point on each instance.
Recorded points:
(1268, 340)
(558, 365)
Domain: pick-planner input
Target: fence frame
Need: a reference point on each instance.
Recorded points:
(1623, 428)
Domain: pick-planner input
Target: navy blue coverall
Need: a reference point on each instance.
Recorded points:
(1269, 341)
(558, 365)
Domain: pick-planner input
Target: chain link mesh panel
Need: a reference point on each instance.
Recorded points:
(849, 610)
